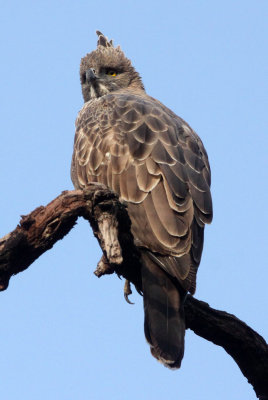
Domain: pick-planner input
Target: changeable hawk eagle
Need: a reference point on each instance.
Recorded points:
(158, 165)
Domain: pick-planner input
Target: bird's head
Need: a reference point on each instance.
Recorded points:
(106, 70)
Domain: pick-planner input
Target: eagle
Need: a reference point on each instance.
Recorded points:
(158, 166)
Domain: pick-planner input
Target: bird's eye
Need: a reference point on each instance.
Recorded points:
(111, 72)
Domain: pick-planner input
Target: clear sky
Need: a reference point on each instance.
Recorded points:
(64, 333)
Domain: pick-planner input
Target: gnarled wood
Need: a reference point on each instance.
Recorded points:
(42, 228)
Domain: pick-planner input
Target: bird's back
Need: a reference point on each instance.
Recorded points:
(158, 165)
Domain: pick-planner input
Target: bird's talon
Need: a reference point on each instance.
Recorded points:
(127, 291)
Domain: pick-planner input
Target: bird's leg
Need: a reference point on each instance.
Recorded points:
(108, 235)
(127, 291)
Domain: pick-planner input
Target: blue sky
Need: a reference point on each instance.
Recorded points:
(66, 334)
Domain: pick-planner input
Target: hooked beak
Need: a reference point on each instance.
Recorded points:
(90, 75)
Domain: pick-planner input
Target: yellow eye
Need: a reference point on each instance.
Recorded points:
(111, 72)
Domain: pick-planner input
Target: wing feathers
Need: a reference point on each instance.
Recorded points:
(161, 156)
(95, 158)
(138, 150)
(175, 225)
(131, 116)
(155, 124)
(168, 136)
(201, 199)
(178, 187)
(195, 162)
(156, 225)
(156, 163)
(119, 158)
(143, 134)
(135, 195)
(146, 181)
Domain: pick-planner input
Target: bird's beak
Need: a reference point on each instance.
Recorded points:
(90, 75)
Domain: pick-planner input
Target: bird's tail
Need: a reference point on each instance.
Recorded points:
(164, 323)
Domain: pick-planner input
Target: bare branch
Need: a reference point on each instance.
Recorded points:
(38, 231)
(42, 228)
(248, 349)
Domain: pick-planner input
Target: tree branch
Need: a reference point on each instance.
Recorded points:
(42, 228)
(248, 349)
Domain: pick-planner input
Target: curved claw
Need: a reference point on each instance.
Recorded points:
(127, 291)
(127, 299)
(119, 276)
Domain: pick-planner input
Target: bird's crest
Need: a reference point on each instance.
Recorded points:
(103, 40)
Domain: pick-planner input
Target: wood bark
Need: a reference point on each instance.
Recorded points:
(108, 217)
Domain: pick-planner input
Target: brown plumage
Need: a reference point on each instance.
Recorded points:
(158, 165)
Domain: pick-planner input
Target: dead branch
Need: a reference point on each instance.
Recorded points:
(108, 217)
(248, 349)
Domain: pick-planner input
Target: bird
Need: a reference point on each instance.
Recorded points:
(158, 166)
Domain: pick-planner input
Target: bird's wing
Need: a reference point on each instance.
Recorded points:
(157, 164)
